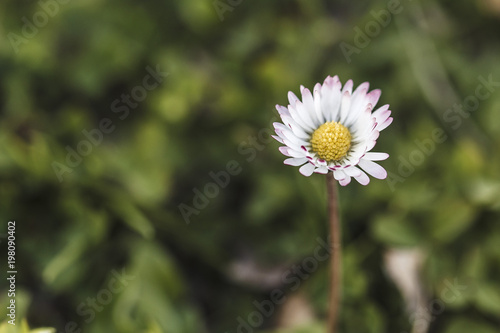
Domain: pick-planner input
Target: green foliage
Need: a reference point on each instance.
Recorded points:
(117, 208)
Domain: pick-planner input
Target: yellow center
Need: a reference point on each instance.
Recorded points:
(331, 141)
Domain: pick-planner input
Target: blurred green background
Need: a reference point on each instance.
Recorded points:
(116, 208)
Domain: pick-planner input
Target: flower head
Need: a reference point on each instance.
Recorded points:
(334, 129)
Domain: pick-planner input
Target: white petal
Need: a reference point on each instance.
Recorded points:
(287, 120)
(294, 127)
(370, 144)
(345, 181)
(372, 156)
(282, 110)
(317, 103)
(352, 171)
(297, 118)
(277, 138)
(373, 96)
(307, 169)
(374, 135)
(299, 132)
(339, 174)
(373, 169)
(322, 169)
(308, 102)
(292, 98)
(295, 161)
(305, 114)
(330, 99)
(345, 106)
(361, 89)
(363, 125)
(384, 125)
(382, 113)
(288, 135)
(321, 162)
(292, 145)
(279, 126)
(358, 104)
(348, 87)
(287, 151)
(286, 117)
(363, 178)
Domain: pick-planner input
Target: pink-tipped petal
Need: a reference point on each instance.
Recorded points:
(339, 174)
(382, 114)
(381, 110)
(317, 103)
(373, 96)
(282, 110)
(332, 101)
(308, 101)
(277, 138)
(363, 179)
(307, 169)
(279, 126)
(345, 106)
(306, 115)
(370, 145)
(361, 89)
(352, 171)
(373, 169)
(384, 125)
(372, 156)
(284, 151)
(374, 135)
(348, 87)
(292, 98)
(295, 161)
(345, 181)
(298, 131)
(287, 151)
(322, 170)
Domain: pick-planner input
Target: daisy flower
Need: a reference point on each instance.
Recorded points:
(334, 129)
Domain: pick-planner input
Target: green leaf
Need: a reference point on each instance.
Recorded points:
(463, 325)
(395, 231)
(488, 298)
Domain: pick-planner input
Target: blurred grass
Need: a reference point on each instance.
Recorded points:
(118, 209)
